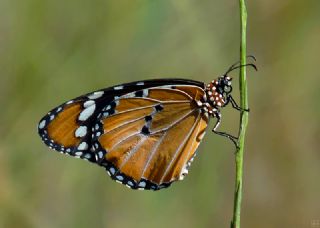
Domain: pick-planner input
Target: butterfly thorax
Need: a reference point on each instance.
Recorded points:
(215, 95)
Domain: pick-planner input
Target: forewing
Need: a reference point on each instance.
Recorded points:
(68, 127)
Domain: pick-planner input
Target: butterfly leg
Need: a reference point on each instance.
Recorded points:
(235, 105)
(224, 134)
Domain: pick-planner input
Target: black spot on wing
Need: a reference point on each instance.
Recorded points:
(113, 104)
(138, 93)
(158, 107)
(145, 130)
(148, 118)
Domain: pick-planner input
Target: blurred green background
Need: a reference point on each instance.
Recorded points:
(52, 51)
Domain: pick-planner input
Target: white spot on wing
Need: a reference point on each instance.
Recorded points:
(112, 170)
(96, 95)
(118, 87)
(184, 172)
(142, 184)
(100, 154)
(87, 156)
(140, 83)
(145, 92)
(129, 95)
(42, 124)
(81, 131)
(88, 103)
(83, 146)
(86, 113)
(120, 178)
(78, 153)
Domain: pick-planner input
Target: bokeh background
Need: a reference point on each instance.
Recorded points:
(52, 51)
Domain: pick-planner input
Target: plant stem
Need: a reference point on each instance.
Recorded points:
(235, 223)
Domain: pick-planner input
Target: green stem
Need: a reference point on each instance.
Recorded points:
(243, 118)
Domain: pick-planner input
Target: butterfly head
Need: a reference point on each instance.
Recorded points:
(218, 89)
(225, 84)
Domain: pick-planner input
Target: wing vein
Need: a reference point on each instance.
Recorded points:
(133, 151)
(149, 106)
(174, 123)
(140, 118)
(153, 152)
(164, 88)
(152, 99)
(125, 123)
(124, 139)
(190, 150)
(179, 148)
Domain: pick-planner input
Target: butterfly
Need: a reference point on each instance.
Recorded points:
(145, 133)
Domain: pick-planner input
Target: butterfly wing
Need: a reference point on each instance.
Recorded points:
(145, 133)
(147, 139)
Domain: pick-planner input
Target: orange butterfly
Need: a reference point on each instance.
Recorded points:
(144, 133)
